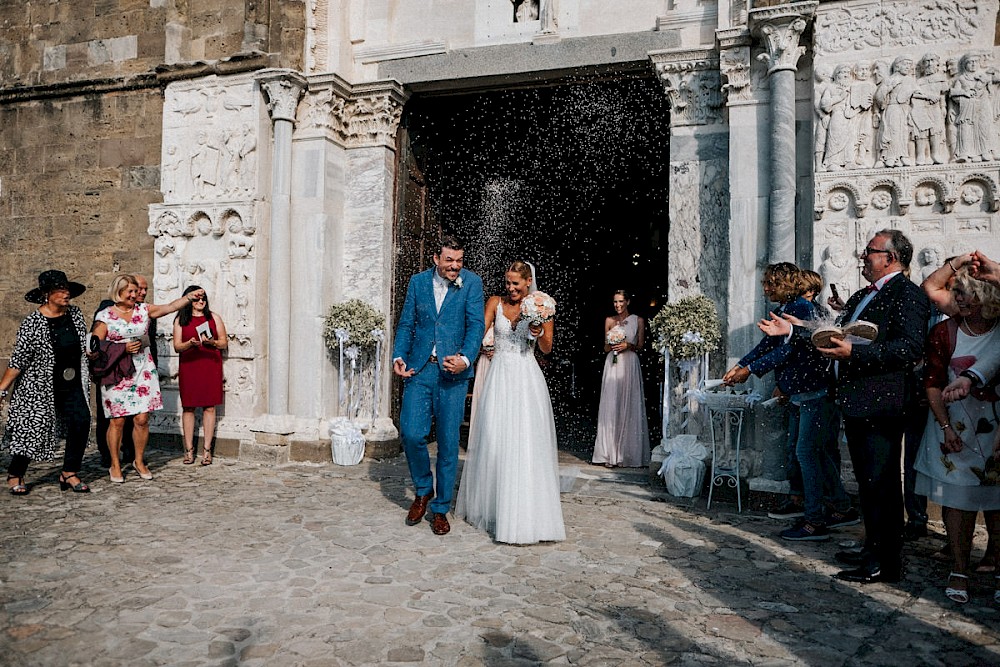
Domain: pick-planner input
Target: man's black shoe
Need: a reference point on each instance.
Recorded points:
(914, 531)
(870, 574)
(853, 558)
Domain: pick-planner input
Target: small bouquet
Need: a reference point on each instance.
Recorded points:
(488, 341)
(615, 335)
(538, 308)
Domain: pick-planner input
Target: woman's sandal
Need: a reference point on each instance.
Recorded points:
(959, 595)
(79, 487)
(18, 489)
(188, 456)
(206, 458)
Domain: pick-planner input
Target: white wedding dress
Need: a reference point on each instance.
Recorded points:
(510, 484)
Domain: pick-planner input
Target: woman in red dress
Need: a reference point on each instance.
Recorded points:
(200, 372)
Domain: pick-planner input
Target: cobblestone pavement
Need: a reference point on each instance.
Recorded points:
(238, 564)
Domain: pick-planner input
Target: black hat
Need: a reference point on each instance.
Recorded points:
(50, 280)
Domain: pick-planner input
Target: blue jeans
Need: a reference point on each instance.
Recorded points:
(427, 395)
(814, 423)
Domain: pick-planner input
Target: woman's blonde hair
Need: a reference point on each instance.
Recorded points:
(784, 278)
(520, 268)
(985, 294)
(119, 284)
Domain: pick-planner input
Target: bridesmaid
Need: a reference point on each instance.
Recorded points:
(622, 433)
(199, 375)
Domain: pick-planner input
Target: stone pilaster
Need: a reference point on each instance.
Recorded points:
(282, 90)
(779, 29)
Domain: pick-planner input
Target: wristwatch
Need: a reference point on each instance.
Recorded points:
(972, 377)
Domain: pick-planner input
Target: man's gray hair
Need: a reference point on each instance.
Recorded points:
(897, 243)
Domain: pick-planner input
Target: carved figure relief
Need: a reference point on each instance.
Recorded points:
(930, 259)
(886, 117)
(895, 24)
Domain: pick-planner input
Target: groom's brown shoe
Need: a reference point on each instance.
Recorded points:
(439, 524)
(418, 509)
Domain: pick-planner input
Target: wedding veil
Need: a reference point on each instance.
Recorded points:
(534, 280)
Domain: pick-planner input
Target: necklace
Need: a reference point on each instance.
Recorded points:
(972, 332)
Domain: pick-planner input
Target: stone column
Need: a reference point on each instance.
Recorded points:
(779, 29)
(282, 90)
(699, 202)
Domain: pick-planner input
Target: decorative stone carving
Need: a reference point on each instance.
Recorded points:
(353, 117)
(898, 23)
(692, 83)
(780, 37)
(930, 259)
(283, 89)
(735, 70)
(928, 113)
(525, 10)
(975, 125)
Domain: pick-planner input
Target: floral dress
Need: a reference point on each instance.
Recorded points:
(141, 392)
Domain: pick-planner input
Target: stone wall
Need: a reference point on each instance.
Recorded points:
(81, 106)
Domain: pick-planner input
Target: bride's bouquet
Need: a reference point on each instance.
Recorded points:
(615, 335)
(538, 308)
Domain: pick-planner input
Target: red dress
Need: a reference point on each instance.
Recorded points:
(200, 372)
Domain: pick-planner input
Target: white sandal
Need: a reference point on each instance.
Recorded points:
(957, 594)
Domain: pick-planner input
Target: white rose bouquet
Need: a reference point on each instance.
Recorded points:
(615, 335)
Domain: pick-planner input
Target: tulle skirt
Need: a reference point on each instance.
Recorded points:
(510, 484)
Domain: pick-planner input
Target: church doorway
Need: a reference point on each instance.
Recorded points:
(571, 177)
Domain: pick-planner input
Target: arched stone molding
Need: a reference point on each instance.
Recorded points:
(990, 186)
(895, 191)
(851, 199)
(939, 186)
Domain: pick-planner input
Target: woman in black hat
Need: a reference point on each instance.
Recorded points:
(49, 399)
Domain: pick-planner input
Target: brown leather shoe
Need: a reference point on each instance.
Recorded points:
(439, 524)
(417, 509)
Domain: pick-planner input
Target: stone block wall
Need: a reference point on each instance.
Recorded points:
(81, 106)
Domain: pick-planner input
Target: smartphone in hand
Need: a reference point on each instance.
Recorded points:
(833, 291)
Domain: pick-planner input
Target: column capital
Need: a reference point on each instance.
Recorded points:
(734, 64)
(282, 89)
(779, 28)
(354, 116)
(690, 79)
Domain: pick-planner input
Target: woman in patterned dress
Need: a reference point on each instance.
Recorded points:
(127, 321)
(49, 365)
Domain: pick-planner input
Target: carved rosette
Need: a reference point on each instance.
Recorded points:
(779, 29)
(283, 88)
(353, 116)
(692, 83)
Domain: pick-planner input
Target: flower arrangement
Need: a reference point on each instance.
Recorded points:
(615, 335)
(687, 328)
(538, 308)
(357, 319)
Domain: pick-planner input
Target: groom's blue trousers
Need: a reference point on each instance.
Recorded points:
(428, 395)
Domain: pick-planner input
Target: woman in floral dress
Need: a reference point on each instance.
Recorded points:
(127, 321)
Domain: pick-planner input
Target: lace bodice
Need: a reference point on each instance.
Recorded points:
(509, 339)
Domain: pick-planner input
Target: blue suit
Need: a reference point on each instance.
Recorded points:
(433, 392)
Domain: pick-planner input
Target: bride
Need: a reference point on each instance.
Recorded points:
(510, 484)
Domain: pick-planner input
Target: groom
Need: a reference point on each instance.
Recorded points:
(438, 337)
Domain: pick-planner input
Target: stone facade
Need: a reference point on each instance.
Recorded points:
(159, 137)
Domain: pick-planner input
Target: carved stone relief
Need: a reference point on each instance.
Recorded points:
(354, 118)
(693, 86)
(210, 141)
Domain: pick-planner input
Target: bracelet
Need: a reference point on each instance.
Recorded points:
(945, 426)
(952, 266)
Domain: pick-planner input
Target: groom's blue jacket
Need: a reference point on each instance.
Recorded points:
(457, 329)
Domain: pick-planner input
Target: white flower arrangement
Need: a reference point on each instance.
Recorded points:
(688, 328)
(352, 321)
